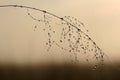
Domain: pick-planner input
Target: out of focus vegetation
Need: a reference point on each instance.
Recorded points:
(58, 72)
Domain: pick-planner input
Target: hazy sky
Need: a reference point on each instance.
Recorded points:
(101, 17)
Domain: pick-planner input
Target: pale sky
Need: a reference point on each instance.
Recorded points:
(101, 17)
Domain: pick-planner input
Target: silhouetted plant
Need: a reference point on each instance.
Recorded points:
(69, 34)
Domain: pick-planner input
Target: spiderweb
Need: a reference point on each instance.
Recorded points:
(68, 34)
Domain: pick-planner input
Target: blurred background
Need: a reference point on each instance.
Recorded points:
(20, 45)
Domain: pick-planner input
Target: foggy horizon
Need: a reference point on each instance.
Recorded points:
(21, 44)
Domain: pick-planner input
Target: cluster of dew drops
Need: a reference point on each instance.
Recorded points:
(72, 37)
